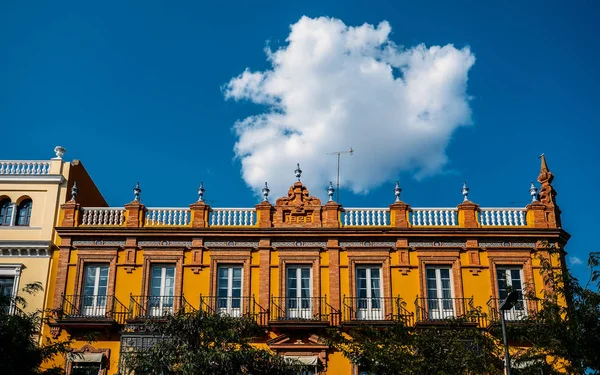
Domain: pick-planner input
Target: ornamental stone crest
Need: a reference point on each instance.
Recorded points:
(299, 208)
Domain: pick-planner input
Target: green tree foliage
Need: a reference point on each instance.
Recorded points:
(564, 336)
(451, 348)
(203, 343)
(20, 352)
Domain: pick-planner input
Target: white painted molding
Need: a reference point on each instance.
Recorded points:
(51, 178)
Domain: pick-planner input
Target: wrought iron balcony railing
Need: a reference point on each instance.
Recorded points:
(307, 309)
(440, 309)
(376, 309)
(521, 310)
(157, 307)
(235, 307)
(92, 307)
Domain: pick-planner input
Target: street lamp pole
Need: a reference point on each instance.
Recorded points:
(507, 304)
(505, 339)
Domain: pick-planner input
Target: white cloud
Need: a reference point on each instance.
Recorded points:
(331, 87)
(574, 261)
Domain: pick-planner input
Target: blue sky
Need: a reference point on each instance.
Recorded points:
(137, 91)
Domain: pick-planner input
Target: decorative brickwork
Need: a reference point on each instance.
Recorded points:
(298, 209)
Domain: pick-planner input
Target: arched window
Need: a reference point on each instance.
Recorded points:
(24, 212)
(6, 209)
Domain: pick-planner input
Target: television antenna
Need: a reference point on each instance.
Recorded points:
(339, 154)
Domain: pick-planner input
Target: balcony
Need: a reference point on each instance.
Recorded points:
(235, 307)
(524, 308)
(302, 312)
(381, 310)
(442, 310)
(156, 307)
(91, 311)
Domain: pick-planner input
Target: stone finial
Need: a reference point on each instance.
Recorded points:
(74, 191)
(201, 192)
(136, 192)
(265, 192)
(330, 191)
(298, 171)
(397, 191)
(59, 151)
(465, 191)
(533, 191)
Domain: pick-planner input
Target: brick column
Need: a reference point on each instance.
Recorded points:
(61, 274)
(334, 274)
(264, 212)
(399, 214)
(536, 215)
(264, 273)
(135, 214)
(467, 215)
(331, 215)
(200, 212)
(71, 215)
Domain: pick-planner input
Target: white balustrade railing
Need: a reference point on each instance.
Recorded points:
(167, 216)
(101, 216)
(232, 217)
(364, 217)
(27, 167)
(432, 217)
(506, 217)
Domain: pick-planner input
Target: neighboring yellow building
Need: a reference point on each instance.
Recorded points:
(31, 192)
(298, 267)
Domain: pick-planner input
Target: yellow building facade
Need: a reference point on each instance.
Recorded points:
(31, 192)
(297, 266)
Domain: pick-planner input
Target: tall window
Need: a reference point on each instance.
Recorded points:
(369, 303)
(511, 279)
(162, 289)
(229, 290)
(24, 212)
(439, 293)
(299, 292)
(9, 283)
(95, 286)
(6, 210)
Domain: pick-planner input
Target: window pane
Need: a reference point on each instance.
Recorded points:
(5, 212)
(6, 286)
(24, 212)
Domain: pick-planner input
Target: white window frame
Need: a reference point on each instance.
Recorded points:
(12, 270)
(299, 311)
(229, 309)
(370, 313)
(13, 214)
(98, 302)
(440, 313)
(518, 312)
(161, 308)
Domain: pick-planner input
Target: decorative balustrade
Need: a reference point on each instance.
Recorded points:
(506, 217)
(232, 217)
(24, 167)
(433, 217)
(167, 217)
(365, 217)
(349, 217)
(103, 216)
